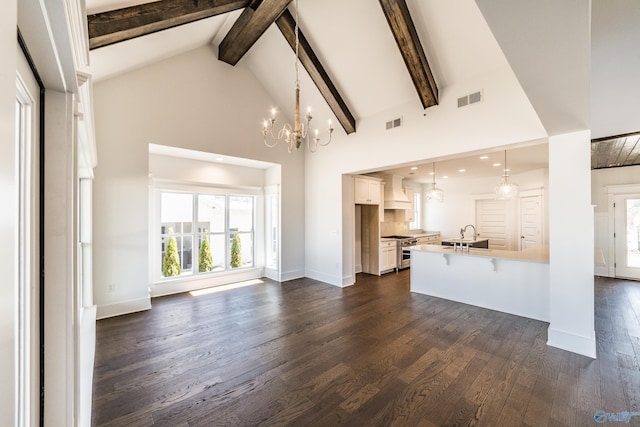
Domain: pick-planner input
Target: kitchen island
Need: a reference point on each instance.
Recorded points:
(515, 282)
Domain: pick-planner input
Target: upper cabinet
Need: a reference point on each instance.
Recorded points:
(409, 213)
(367, 191)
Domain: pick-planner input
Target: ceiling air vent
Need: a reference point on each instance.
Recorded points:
(470, 99)
(394, 123)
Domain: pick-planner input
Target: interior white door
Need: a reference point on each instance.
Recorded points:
(627, 236)
(530, 222)
(491, 221)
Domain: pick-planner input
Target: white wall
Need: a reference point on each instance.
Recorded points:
(600, 179)
(208, 173)
(8, 214)
(614, 64)
(190, 101)
(504, 117)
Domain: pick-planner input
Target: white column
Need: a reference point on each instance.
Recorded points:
(60, 259)
(571, 244)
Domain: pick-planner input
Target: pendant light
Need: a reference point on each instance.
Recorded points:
(506, 189)
(434, 193)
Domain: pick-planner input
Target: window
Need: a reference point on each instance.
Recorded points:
(417, 212)
(272, 221)
(202, 233)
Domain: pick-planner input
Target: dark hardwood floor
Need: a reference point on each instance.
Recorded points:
(305, 353)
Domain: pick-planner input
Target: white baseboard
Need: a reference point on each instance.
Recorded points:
(571, 342)
(326, 278)
(124, 307)
(272, 273)
(291, 275)
(348, 281)
(358, 268)
(602, 271)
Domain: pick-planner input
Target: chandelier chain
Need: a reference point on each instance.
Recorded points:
(293, 136)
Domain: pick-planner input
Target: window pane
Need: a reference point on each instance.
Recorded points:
(417, 209)
(176, 212)
(211, 211)
(241, 252)
(272, 230)
(633, 233)
(241, 213)
(172, 265)
(205, 256)
(185, 246)
(218, 251)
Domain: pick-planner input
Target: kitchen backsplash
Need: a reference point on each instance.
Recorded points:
(392, 227)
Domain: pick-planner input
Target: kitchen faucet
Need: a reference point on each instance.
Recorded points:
(463, 230)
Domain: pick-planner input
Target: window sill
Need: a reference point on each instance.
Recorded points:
(201, 281)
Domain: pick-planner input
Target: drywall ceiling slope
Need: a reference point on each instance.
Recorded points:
(129, 55)
(547, 44)
(364, 62)
(615, 61)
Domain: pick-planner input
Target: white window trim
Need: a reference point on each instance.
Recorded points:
(160, 286)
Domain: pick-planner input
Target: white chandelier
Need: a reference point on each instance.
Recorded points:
(434, 194)
(293, 135)
(506, 189)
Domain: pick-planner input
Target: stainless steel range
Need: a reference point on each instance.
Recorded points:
(403, 243)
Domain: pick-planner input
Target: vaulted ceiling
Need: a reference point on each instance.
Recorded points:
(391, 42)
(119, 25)
(407, 53)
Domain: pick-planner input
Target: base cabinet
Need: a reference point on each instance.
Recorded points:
(388, 256)
(429, 240)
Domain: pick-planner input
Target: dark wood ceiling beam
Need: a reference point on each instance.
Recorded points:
(248, 28)
(404, 31)
(286, 23)
(615, 151)
(124, 24)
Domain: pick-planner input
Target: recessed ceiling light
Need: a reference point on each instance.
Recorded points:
(430, 173)
(462, 170)
(445, 176)
(484, 157)
(414, 168)
(496, 164)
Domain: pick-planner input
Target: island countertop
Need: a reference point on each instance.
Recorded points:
(537, 254)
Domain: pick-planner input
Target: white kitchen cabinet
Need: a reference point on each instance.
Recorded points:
(367, 191)
(409, 214)
(388, 255)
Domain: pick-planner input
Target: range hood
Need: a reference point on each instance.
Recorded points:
(394, 195)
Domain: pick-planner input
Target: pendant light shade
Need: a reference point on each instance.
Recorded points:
(506, 189)
(434, 194)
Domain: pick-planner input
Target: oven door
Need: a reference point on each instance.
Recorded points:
(405, 260)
